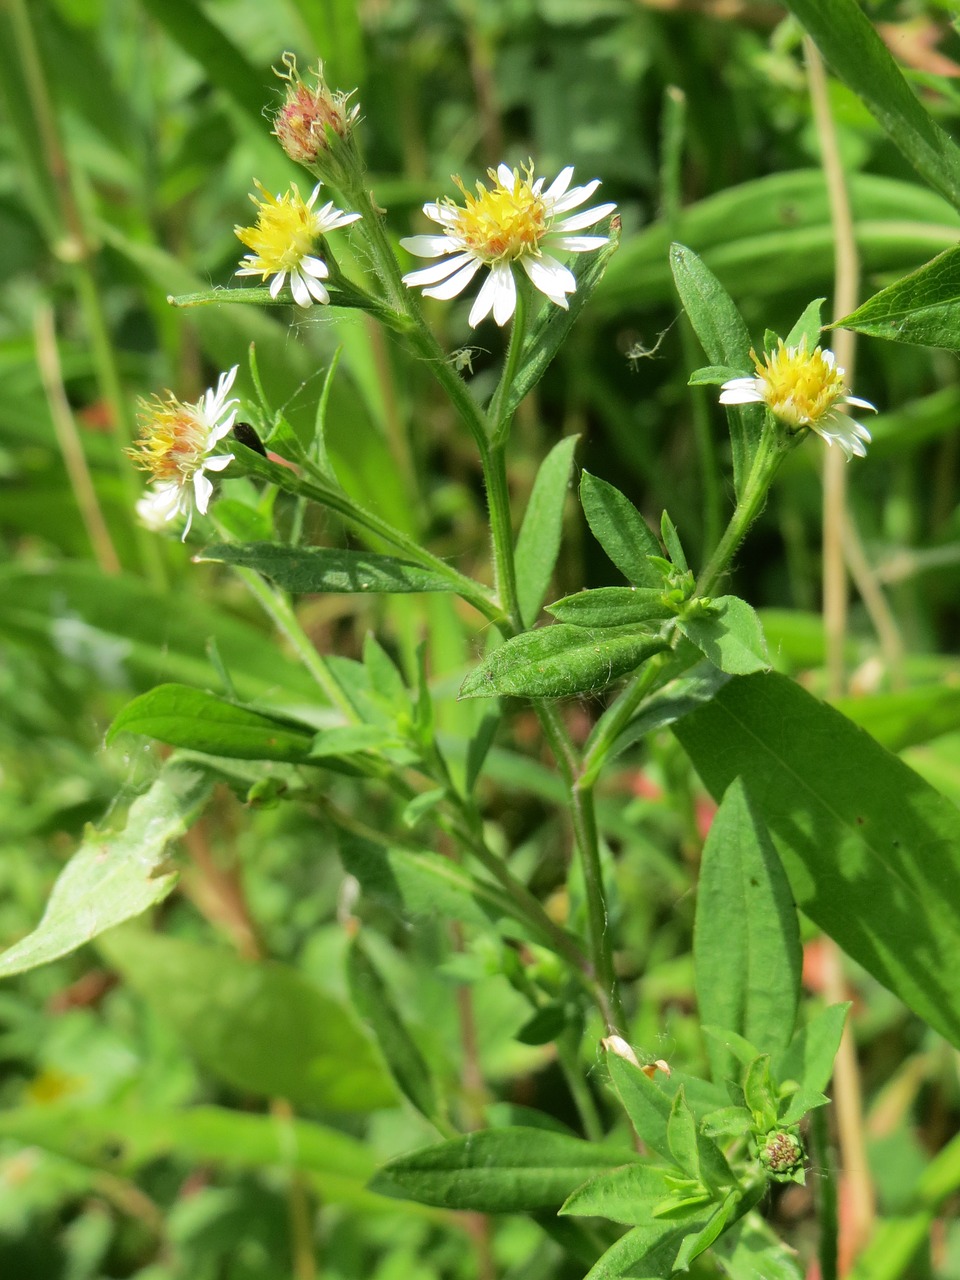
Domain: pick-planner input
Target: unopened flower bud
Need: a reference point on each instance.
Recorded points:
(781, 1152)
(619, 1046)
(311, 120)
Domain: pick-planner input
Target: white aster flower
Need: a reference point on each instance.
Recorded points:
(512, 222)
(803, 390)
(175, 445)
(283, 239)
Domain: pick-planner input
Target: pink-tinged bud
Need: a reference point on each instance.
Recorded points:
(311, 120)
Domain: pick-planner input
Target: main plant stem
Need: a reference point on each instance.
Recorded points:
(490, 431)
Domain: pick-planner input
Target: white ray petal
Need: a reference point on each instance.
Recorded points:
(575, 196)
(315, 267)
(440, 271)
(456, 284)
(316, 289)
(741, 391)
(202, 489)
(222, 429)
(299, 290)
(426, 246)
(550, 277)
(483, 301)
(276, 284)
(505, 176)
(860, 404)
(577, 244)
(219, 463)
(589, 218)
(505, 295)
(560, 183)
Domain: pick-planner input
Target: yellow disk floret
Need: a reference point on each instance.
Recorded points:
(285, 232)
(799, 388)
(501, 224)
(172, 442)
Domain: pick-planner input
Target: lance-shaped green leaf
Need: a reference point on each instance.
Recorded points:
(922, 308)
(699, 1241)
(374, 1002)
(714, 375)
(729, 633)
(871, 850)
(558, 661)
(538, 542)
(809, 1057)
(627, 1195)
(309, 569)
(746, 940)
(621, 530)
(114, 876)
(726, 340)
(185, 717)
(512, 1170)
(612, 607)
(552, 324)
(645, 1103)
(851, 44)
(260, 1026)
(807, 329)
(647, 1251)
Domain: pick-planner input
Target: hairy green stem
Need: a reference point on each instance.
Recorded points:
(772, 450)
(588, 846)
(601, 941)
(500, 417)
(490, 431)
(493, 460)
(616, 718)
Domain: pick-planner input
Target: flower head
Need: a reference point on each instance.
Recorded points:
(310, 120)
(803, 389)
(175, 445)
(512, 222)
(287, 228)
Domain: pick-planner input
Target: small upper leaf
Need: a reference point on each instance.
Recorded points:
(561, 660)
(730, 635)
(612, 607)
(726, 340)
(621, 530)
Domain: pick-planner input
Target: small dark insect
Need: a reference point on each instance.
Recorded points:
(247, 436)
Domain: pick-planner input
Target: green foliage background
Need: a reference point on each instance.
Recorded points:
(138, 1136)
